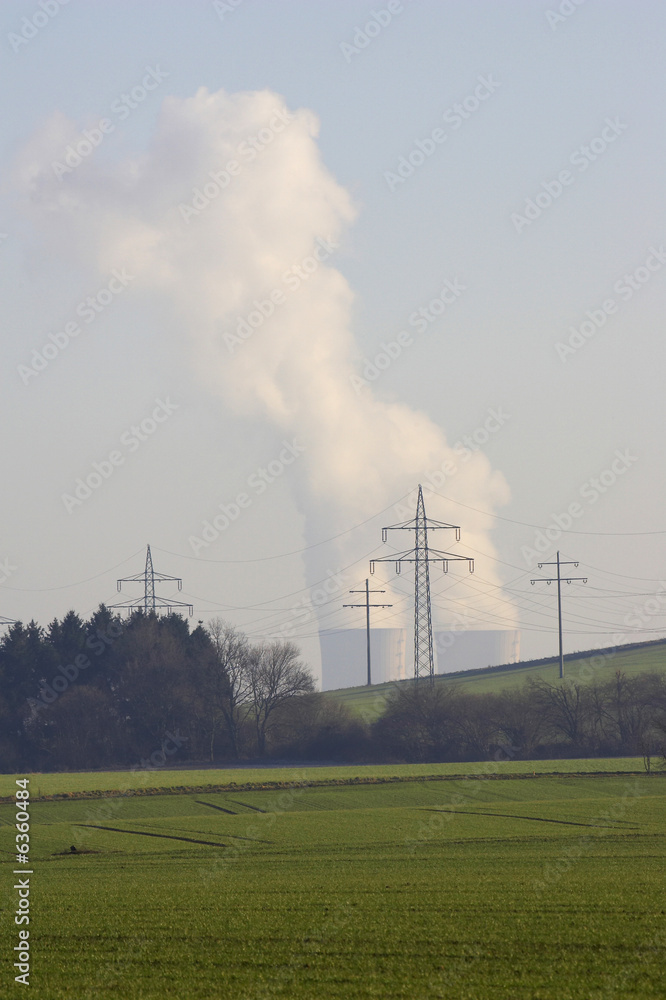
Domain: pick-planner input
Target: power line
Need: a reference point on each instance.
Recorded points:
(541, 527)
(66, 586)
(294, 552)
(422, 556)
(367, 607)
(570, 579)
(150, 601)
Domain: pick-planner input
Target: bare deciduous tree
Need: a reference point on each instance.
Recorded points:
(420, 722)
(568, 711)
(227, 681)
(276, 674)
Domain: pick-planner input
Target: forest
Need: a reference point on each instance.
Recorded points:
(138, 691)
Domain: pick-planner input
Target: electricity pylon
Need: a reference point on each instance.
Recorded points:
(7, 621)
(421, 555)
(559, 595)
(367, 607)
(150, 602)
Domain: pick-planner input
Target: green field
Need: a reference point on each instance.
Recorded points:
(369, 702)
(542, 887)
(98, 782)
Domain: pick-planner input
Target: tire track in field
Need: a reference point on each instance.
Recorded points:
(236, 836)
(535, 819)
(247, 805)
(211, 806)
(144, 833)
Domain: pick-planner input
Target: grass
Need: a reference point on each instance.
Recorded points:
(369, 701)
(99, 782)
(543, 889)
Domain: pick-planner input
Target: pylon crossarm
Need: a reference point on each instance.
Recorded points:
(162, 602)
(396, 556)
(163, 578)
(433, 556)
(411, 524)
(150, 601)
(158, 577)
(130, 605)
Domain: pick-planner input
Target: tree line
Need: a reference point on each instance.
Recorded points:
(112, 692)
(613, 716)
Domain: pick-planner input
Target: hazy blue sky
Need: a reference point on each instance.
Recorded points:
(483, 186)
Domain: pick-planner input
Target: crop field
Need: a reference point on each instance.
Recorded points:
(537, 887)
(71, 784)
(369, 701)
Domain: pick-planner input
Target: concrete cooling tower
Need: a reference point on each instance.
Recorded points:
(344, 656)
(344, 653)
(473, 649)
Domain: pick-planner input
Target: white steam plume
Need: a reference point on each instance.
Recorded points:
(213, 261)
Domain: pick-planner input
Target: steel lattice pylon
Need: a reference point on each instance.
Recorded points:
(421, 555)
(150, 601)
(424, 656)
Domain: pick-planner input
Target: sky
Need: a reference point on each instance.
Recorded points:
(266, 267)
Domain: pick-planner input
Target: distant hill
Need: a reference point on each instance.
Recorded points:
(590, 665)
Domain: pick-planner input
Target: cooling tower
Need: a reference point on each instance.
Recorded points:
(344, 653)
(473, 649)
(344, 656)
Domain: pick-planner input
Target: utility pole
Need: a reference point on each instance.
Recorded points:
(150, 601)
(568, 579)
(421, 555)
(367, 607)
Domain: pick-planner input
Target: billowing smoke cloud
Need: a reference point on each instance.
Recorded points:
(231, 215)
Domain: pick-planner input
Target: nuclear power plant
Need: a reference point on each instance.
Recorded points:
(344, 653)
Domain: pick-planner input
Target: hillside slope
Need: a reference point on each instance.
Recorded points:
(597, 665)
